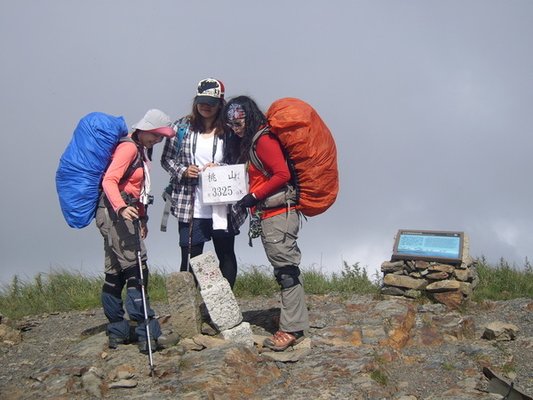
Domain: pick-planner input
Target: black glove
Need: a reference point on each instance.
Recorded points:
(247, 201)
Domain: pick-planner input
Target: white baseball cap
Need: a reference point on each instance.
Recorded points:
(155, 121)
(209, 91)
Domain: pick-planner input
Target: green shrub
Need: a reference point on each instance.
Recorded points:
(380, 377)
(354, 279)
(503, 282)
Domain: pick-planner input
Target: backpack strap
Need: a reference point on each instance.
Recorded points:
(137, 163)
(293, 186)
(253, 152)
(181, 126)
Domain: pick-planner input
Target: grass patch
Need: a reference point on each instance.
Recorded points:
(380, 377)
(260, 281)
(255, 281)
(508, 368)
(157, 287)
(503, 281)
(66, 290)
(354, 279)
(62, 290)
(447, 366)
(57, 291)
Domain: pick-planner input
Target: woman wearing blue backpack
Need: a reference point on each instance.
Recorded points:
(121, 218)
(201, 143)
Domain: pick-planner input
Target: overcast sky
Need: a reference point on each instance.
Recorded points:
(429, 103)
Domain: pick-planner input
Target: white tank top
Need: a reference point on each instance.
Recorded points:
(203, 156)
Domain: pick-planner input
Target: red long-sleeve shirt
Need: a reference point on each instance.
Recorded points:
(271, 155)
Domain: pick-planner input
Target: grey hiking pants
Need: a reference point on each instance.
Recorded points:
(120, 241)
(279, 235)
(121, 268)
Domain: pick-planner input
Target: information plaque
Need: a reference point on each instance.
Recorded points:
(441, 246)
(224, 184)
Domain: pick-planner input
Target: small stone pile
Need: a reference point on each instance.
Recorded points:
(218, 300)
(449, 284)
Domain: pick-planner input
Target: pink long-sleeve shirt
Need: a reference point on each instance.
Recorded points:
(124, 155)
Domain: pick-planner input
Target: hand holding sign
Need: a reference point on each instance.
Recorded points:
(247, 201)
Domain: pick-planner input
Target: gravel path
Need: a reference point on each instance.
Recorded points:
(357, 352)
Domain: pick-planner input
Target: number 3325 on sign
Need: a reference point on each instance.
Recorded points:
(224, 184)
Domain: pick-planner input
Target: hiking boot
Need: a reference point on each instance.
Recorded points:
(114, 341)
(143, 346)
(280, 341)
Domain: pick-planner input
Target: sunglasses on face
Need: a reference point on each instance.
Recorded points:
(237, 123)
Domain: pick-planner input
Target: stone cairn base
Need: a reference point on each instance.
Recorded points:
(219, 300)
(448, 284)
(184, 304)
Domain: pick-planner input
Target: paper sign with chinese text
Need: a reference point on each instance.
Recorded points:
(224, 184)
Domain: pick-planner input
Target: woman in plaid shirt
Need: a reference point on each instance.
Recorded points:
(203, 146)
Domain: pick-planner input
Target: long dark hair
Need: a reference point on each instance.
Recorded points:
(238, 148)
(197, 121)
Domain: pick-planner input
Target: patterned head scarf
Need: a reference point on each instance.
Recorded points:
(235, 111)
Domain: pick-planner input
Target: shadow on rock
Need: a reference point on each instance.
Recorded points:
(265, 319)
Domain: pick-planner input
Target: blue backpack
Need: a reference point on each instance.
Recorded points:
(83, 164)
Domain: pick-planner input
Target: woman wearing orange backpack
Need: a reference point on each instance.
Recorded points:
(278, 223)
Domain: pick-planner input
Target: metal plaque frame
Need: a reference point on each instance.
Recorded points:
(427, 245)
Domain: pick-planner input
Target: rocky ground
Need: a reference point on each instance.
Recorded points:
(359, 348)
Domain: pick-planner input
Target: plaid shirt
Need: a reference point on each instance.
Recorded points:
(175, 163)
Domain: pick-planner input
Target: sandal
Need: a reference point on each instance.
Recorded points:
(280, 341)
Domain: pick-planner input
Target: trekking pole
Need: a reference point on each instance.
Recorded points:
(137, 225)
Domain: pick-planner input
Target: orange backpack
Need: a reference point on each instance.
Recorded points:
(311, 150)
